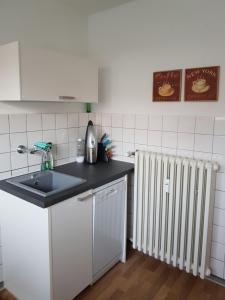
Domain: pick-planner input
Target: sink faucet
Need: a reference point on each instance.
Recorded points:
(45, 149)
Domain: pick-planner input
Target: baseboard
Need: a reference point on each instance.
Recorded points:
(217, 280)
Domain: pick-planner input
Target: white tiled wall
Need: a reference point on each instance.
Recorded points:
(198, 137)
(60, 129)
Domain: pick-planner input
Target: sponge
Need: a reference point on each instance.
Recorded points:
(43, 146)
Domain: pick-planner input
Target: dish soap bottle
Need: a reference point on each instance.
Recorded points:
(47, 159)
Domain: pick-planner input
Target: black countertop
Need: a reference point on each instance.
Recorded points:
(95, 175)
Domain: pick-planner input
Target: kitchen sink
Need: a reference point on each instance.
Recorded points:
(46, 183)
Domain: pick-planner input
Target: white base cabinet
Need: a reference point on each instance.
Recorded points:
(55, 253)
(29, 74)
(47, 253)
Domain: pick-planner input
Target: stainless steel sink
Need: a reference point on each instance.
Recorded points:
(46, 183)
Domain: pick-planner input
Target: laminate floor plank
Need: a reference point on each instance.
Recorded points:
(145, 278)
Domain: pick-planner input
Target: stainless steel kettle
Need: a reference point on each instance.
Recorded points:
(91, 144)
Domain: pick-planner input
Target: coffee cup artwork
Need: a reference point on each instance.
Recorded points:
(166, 86)
(201, 84)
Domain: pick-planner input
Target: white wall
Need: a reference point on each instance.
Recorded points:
(135, 39)
(50, 24)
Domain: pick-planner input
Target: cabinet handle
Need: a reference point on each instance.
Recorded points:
(85, 197)
(111, 192)
(67, 98)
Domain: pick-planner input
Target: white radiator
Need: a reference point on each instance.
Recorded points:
(173, 208)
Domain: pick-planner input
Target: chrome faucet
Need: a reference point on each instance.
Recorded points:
(46, 155)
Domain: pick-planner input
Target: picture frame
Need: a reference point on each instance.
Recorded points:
(202, 84)
(167, 86)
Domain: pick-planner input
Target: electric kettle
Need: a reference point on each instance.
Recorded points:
(91, 144)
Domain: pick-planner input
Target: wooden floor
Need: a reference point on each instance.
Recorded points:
(144, 278)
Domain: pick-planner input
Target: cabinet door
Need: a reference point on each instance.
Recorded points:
(71, 229)
(108, 226)
(52, 76)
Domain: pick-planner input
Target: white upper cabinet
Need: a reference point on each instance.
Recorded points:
(30, 74)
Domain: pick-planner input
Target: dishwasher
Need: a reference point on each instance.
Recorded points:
(109, 226)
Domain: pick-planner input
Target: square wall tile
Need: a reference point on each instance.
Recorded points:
(128, 147)
(220, 159)
(17, 139)
(98, 119)
(142, 147)
(218, 251)
(62, 151)
(20, 172)
(220, 199)
(117, 134)
(220, 181)
(48, 121)
(128, 135)
(219, 128)
(72, 150)
(34, 168)
(154, 149)
(217, 267)
(34, 122)
(73, 120)
(204, 125)
(141, 122)
(219, 217)
(169, 151)
(186, 141)
(202, 155)
(129, 121)
(155, 138)
(34, 137)
(18, 161)
(169, 139)
(186, 124)
(82, 132)
(117, 149)
(219, 234)
(34, 159)
(203, 143)
(141, 137)
(62, 136)
(18, 123)
(155, 122)
(170, 123)
(62, 161)
(73, 134)
(5, 164)
(3, 176)
(219, 144)
(4, 143)
(117, 120)
(106, 120)
(49, 136)
(61, 121)
(185, 153)
(4, 124)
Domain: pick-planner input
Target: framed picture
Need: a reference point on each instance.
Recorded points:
(201, 84)
(167, 86)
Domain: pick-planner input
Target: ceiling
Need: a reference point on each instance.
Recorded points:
(89, 7)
